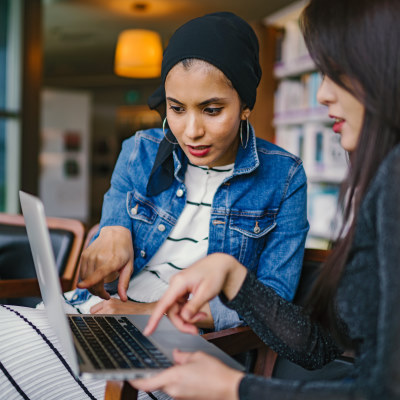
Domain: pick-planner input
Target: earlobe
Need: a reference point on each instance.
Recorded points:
(245, 114)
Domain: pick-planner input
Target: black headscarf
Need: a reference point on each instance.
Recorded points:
(222, 39)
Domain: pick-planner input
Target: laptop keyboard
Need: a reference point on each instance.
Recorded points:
(114, 343)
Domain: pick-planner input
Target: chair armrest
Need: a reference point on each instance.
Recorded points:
(12, 288)
(234, 341)
(28, 287)
(120, 390)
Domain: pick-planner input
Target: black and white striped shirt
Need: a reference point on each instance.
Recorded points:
(188, 240)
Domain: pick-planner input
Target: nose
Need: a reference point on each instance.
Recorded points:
(325, 93)
(194, 128)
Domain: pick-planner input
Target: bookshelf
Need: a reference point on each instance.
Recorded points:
(302, 125)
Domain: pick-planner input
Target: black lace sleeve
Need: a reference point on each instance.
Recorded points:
(255, 387)
(283, 326)
(372, 319)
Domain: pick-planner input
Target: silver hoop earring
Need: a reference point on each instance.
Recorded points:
(247, 133)
(165, 134)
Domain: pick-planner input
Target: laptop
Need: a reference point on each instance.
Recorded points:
(110, 347)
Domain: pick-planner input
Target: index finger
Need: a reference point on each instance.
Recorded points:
(124, 279)
(99, 290)
(94, 278)
(95, 285)
(170, 298)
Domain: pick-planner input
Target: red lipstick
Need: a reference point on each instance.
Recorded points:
(337, 126)
(199, 151)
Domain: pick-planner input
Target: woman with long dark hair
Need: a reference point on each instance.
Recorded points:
(353, 304)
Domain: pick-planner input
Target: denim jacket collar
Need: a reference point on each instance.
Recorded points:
(180, 164)
(246, 159)
(161, 174)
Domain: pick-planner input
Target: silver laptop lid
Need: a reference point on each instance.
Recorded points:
(47, 274)
(166, 338)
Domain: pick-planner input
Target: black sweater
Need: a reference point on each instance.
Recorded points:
(368, 302)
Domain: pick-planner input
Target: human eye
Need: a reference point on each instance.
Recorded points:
(176, 109)
(213, 110)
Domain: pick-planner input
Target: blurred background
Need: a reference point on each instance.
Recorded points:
(68, 99)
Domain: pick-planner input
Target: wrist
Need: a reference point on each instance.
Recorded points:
(236, 273)
(232, 389)
(112, 229)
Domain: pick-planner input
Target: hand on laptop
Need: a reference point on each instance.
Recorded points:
(116, 306)
(204, 280)
(110, 256)
(194, 376)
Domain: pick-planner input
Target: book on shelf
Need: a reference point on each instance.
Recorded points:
(303, 126)
(318, 146)
(324, 158)
(290, 138)
(297, 94)
(322, 210)
(325, 165)
(291, 43)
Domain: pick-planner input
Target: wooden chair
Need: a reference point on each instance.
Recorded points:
(18, 283)
(236, 341)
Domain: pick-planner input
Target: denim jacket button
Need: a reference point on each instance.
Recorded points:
(134, 210)
(179, 192)
(161, 228)
(257, 229)
(142, 253)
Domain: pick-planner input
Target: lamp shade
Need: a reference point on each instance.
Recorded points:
(138, 54)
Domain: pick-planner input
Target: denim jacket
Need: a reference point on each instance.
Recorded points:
(258, 214)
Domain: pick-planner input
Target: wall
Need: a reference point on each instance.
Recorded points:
(64, 155)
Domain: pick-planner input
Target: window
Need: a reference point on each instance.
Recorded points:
(10, 108)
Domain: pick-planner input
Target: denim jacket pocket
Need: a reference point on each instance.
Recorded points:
(139, 209)
(252, 225)
(248, 233)
(143, 218)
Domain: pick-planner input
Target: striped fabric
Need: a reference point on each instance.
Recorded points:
(33, 366)
(188, 240)
(32, 363)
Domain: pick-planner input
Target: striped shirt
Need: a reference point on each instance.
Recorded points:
(188, 240)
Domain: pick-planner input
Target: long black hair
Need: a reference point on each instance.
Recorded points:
(356, 41)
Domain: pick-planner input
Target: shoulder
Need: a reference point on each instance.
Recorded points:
(153, 135)
(148, 137)
(390, 166)
(384, 189)
(388, 172)
(142, 141)
(270, 150)
(275, 161)
(141, 147)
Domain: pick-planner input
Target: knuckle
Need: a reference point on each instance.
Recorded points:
(177, 279)
(100, 258)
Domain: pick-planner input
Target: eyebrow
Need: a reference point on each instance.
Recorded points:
(203, 103)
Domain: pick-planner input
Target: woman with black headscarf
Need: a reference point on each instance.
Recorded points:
(202, 184)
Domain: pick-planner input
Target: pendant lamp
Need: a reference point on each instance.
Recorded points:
(138, 54)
